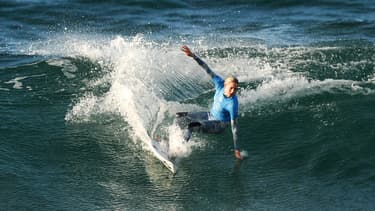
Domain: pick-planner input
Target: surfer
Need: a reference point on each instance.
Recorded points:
(223, 112)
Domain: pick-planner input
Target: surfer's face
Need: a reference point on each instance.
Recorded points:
(230, 89)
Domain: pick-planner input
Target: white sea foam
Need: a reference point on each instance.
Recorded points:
(17, 81)
(4, 89)
(68, 68)
(83, 109)
(177, 146)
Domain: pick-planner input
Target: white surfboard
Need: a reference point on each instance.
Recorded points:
(162, 155)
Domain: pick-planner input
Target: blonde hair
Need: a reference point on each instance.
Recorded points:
(231, 79)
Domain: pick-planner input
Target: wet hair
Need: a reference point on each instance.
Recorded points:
(231, 79)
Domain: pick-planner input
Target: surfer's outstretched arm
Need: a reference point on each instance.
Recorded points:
(235, 139)
(188, 52)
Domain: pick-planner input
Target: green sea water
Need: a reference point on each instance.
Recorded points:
(85, 84)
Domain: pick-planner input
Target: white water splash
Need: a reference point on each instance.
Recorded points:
(141, 77)
(149, 80)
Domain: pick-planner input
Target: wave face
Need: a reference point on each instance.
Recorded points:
(84, 85)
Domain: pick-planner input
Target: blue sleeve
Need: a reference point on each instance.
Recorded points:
(219, 82)
(204, 66)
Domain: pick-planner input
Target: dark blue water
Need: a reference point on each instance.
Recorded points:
(85, 84)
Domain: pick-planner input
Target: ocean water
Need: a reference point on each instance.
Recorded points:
(85, 84)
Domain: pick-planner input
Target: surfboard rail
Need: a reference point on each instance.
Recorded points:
(162, 155)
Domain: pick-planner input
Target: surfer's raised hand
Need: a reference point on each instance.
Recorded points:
(237, 154)
(187, 51)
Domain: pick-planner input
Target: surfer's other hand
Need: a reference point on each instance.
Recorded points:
(237, 154)
(187, 51)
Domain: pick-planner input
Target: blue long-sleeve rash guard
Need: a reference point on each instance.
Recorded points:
(224, 108)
